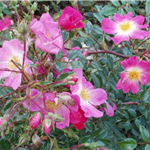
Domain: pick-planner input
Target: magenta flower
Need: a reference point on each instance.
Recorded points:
(4, 23)
(70, 19)
(89, 97)
(125, 27)
(45, 104)
(49, 38)
(12, 51)
(134, 71)
(35, 120)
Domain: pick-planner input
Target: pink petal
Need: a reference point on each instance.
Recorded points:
(126, 86)
(90, 110)
(33, 106)
(46, 17)
(139, 19)
(119, 18)
(65, 113)
(145, 78)
(140, 34)
(35, 120)
(119, 38)
(14, 80)
(130, 62)
(108, 26)
(109, 110)
(144, 65)
(134, 87)
(98, 96)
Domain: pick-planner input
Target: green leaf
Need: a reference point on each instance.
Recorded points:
(65, 35)
(95, 80)
(50, 76)
(124, 2)
(77, 43)
(59, 55)
(76, 64)
(147, 147)
(6, 11)
(115, 3)
(108, 10)
(5, 144)
(63, 76)
(88, 27)
(147, 7)
(127, 144)
(98, 16)
(59, 66)
(144, 133)
(74, 54)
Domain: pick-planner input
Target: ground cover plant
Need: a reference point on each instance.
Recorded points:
(75, 75)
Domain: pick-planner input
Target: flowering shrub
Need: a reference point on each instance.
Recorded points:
(59, 72)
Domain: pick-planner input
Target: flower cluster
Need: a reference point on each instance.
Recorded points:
(50, 104)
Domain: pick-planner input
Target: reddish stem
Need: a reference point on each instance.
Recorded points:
(109, 52)
(130, 103)
(76, 146)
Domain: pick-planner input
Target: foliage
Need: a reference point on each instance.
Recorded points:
(128, 128)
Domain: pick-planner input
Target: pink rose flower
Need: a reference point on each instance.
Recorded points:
(70, 19)
(49, 38)
(12, 51)
(89, 97)
(4, 23)
(134, 71)
(125, 27)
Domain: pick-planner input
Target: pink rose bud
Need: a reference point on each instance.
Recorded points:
(47, 125)
(35, 120)
(4, 23)
(70, 19)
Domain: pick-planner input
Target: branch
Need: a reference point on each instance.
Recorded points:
(109, 52)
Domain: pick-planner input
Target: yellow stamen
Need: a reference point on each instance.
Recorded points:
(125, 25)
(52, 105)
(10, 64)
(85, 94)
(49, 35)
(133, 75)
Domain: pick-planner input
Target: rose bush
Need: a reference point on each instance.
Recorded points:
(70, 74)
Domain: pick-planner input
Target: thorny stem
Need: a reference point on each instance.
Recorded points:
(109, 52)
(130, 103)
(142, 43)
(18, 106)
(21, 70)
(10, 70)
(24, 54)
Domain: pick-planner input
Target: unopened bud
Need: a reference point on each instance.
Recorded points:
(14, 2)
(58, 118)
(71, 83)
(47, 123)
(35, 120)
(24, 139)
(36, 140)
(22, 27)
(34, 7)
(3, 124)
(25, 2)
